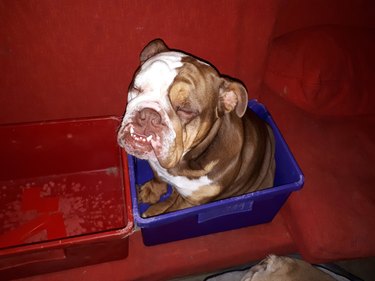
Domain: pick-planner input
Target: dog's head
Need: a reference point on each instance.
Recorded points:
(173, 101)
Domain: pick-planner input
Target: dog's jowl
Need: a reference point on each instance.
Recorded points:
(193, 126)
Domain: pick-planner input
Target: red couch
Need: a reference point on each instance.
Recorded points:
(310, 62)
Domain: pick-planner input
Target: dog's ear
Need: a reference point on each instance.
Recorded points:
(232, 96)
(154, 47)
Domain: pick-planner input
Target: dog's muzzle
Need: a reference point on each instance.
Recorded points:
(141, 134)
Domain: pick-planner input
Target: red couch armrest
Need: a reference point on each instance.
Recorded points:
(332, 217)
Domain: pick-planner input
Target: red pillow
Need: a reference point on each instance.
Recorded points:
(325, 70)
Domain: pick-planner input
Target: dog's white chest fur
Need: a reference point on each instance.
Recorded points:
(184, 185)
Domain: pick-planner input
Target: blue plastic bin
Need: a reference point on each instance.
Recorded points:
(231, 213)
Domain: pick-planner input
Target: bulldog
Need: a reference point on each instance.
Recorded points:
(193, 126)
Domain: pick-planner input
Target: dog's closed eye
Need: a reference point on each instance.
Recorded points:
(137, 89)
(134, 91)
(186, 113)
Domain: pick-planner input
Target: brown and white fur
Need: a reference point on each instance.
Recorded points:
(275, 268)
(193, 127)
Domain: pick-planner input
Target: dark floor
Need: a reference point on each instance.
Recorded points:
(362, 268)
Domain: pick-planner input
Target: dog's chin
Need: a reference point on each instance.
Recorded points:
(144, 150)
(155, 148)
(141, 153)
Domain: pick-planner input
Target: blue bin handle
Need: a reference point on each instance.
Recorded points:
(221, 211)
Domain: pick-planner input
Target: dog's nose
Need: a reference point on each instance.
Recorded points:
(149, 119)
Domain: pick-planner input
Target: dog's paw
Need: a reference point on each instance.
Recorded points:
(153, 211)
(163, 206)
(151, 192)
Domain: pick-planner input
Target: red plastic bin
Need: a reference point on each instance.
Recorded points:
(64, 196)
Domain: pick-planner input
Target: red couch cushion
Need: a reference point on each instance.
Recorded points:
(332, 217)
(325, 70)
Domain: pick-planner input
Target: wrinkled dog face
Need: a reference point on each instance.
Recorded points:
(170, 104)
(148, 131)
